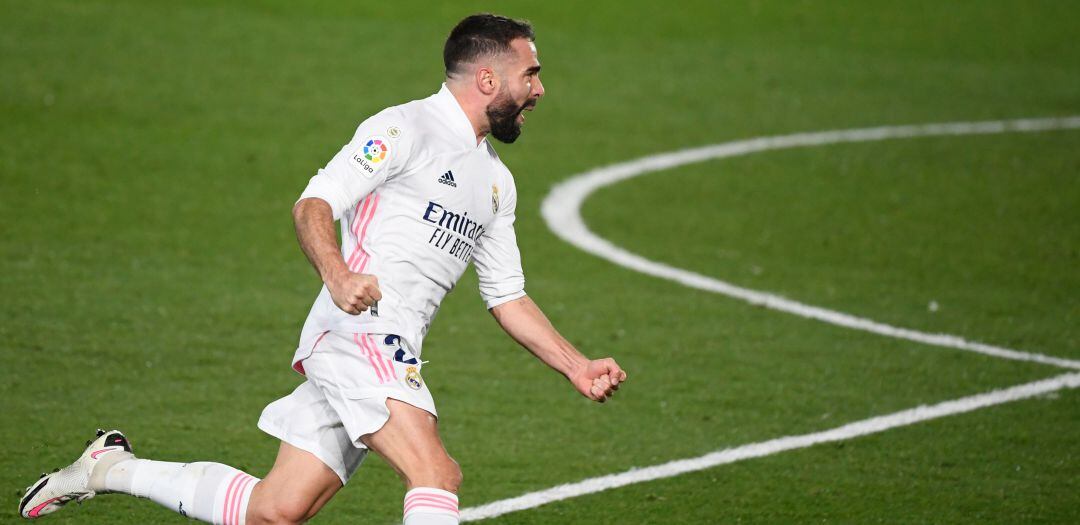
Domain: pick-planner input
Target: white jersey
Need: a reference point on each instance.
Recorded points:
(417, 199)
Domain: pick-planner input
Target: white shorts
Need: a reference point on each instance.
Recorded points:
(349, 378)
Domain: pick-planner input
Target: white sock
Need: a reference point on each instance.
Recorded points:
(428, 506)
(209, 492)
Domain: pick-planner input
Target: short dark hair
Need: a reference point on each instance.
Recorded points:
(479, 35)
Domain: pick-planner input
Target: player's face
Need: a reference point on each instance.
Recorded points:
(519, 91)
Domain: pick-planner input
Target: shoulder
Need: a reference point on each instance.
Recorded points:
(389, 124)
(413, 128)
(383, 139)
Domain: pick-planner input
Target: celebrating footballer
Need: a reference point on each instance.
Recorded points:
(419, 192)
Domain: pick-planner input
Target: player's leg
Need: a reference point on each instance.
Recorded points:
(206, 491)
(296, 488)
(371, 383)
(211, 492)
(298, 485)
(314, 461)
(410, 443)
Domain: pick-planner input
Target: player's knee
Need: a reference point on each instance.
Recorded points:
(453, 477)
(443, 474)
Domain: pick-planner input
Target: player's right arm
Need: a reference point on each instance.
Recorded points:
(352, 292)
(367, 161)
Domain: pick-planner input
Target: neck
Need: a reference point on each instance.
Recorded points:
(474, 106)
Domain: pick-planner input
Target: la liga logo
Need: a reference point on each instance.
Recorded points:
(375, 150)
(371, 155)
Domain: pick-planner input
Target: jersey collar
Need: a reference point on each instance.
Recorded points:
(448, 107)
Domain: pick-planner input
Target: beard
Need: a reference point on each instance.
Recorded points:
(502, 116)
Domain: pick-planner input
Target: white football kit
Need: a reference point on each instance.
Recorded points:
(417, 199)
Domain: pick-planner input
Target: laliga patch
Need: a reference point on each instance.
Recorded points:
(494, 199)
(373, 154)
(412, 377)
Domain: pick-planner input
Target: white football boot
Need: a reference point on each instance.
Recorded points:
(80, 480)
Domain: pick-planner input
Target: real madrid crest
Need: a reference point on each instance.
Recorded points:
(413, 379)
(494, 199)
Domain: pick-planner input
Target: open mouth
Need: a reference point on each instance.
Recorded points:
(521, 112)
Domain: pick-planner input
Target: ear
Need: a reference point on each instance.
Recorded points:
(487, 81)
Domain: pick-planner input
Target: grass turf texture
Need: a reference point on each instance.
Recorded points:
(149, 154)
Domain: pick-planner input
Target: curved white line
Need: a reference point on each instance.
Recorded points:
(855, 429)
(562, 211)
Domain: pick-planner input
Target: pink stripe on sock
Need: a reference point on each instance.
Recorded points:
(421, 505)
(240, 499)
(237, 495)
(371, 358)
(228, 497)
(388, 367)
(425, 496)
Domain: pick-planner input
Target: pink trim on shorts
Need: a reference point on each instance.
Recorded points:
(388, 366)
(371, 358)
(299, 365)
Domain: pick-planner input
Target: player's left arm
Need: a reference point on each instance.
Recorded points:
(502, 286)
(521, 318)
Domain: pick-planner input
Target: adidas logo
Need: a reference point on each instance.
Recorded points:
(448, 179)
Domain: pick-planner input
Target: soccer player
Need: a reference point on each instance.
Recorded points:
(419, 193)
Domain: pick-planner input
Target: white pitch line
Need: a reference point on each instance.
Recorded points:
(765, 448)
(562, 211)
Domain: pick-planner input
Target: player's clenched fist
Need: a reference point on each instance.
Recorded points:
(598, 379)
(355, 292)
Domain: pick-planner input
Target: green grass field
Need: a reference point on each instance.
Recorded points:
(150, 153)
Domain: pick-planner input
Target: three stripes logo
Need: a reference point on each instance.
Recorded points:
(448, 179)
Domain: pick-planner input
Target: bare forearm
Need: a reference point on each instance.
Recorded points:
(527, 325)
(352, 292)
(597, 379)
(314, 222)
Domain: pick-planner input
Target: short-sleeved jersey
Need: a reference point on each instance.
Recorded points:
(417, 199)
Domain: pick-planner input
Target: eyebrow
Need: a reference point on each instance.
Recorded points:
(532, 70)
